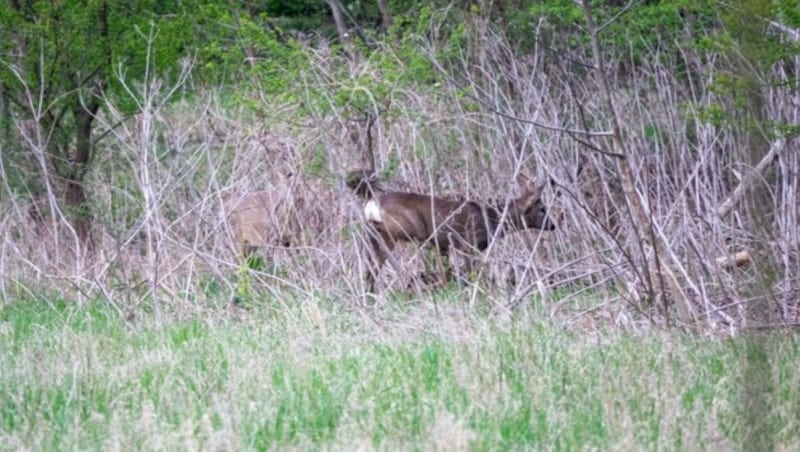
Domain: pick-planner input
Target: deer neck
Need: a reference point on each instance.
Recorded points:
(492, 218)
(501, 218)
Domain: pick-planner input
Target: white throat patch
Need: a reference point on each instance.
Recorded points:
(372, 211)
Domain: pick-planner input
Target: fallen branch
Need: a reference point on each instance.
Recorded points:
(748, 179)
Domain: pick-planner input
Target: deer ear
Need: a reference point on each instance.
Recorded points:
(531, 191)
(525, 183)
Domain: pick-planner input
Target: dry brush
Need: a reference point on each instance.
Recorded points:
(162, 178)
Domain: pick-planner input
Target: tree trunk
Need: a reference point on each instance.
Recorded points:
(75, 193)
(337, 10)
(386, 16)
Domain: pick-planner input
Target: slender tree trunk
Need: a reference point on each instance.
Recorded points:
(369, 146)
(84, 112)
(337, 10)
(386, 16)
(75, 192)
(659, 277)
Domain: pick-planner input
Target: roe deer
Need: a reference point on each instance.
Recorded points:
(264, 219)
(442, 223)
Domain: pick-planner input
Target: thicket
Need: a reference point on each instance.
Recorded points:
(667, 130)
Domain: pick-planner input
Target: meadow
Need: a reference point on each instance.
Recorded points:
(424, 373)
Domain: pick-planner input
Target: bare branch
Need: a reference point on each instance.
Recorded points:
(749, 178)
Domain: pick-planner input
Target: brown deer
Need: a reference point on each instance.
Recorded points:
(441, 223)
(258, 220)
(285, 215)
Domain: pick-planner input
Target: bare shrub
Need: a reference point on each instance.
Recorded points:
(165, 180)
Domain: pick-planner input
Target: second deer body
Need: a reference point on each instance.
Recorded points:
(443, 223)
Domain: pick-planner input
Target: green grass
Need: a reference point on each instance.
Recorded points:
(318, 375)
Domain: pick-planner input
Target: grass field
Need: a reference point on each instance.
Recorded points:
(416, 375)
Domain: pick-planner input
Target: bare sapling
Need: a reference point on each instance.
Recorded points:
(443, 223)
(653, 248)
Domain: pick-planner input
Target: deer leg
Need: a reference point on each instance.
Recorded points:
(379, 248)
(446, 265)
(430, 269)
(376, 259)
(466, 270)
(431, 274)
(469, 253)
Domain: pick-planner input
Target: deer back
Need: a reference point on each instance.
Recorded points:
(416, 217)
(403, 216)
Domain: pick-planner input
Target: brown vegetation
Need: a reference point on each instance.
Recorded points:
(186, 181)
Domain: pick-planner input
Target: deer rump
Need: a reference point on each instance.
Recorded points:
(444, 224)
